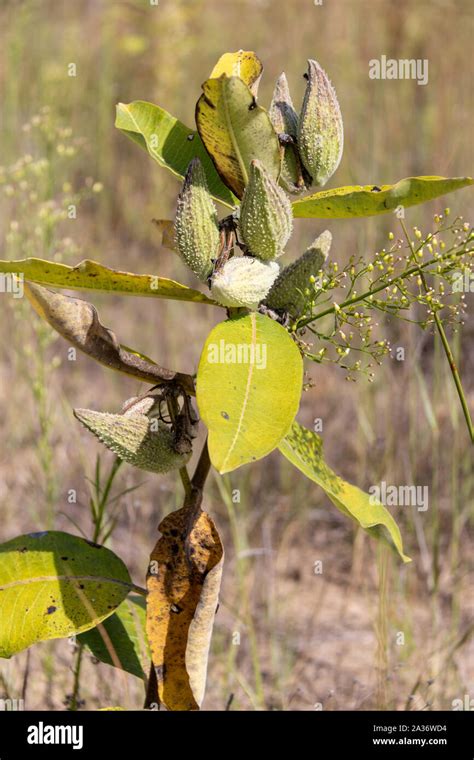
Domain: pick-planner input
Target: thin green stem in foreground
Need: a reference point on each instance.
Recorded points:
(444, 341)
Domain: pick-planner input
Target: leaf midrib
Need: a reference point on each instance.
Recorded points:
(233, 137)
(246, 395)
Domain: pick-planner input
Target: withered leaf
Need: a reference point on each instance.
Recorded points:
(78, 322)
(183, 588)
(166, 229)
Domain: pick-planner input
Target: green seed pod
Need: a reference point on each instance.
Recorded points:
(266, 217)
(142, 442)
(285, 120)
(243, 281)
(320, 128)
(196, 226)
(288, 291)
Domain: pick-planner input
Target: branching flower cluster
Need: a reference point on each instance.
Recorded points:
(417, 278)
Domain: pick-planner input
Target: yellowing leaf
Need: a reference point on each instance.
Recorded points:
(249, 386)
(345, 202)
(304, 449)
(235, 130)
(183, 589)
(169, 143)
(243, 64)
(53, 585)
(78, 322)
(89, 275)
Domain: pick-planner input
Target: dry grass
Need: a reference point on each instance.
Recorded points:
(305, 639)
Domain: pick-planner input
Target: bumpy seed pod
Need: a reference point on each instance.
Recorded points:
(288, 291)
(243, 281)
(144, 442)
(285, 120)
(196, 226)
(320, 128)
(266, 217)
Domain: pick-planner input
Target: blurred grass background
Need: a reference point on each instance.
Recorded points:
(306, 640)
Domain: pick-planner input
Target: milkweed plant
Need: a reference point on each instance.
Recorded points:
(247, 175)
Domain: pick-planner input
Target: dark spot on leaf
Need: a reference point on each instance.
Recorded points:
(209, 102)
(376, 189)
(253, 104)
(305, 76)
(23, 549)
(174, 532)
(51, 609)
(91, 543)
(81, 585)
(225, 415)
(174, 549)
(64, 558)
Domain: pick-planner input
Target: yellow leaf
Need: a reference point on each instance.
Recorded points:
(235, 130)
(244, 64)
(89, 275)
(248, 388)
(368, 200)
(183, 588)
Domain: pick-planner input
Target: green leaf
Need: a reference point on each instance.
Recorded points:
(243, 64)
(248, 389)
(89, 275)
(169, 142)
(368, 200)
(121, 640)
(304, 449)
(53, 585)
(235, 130)
(78, 322)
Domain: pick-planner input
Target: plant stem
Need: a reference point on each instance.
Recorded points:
(152, 697)
(445, 343)
(202, 468)
(186, 481)
(77, 679)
